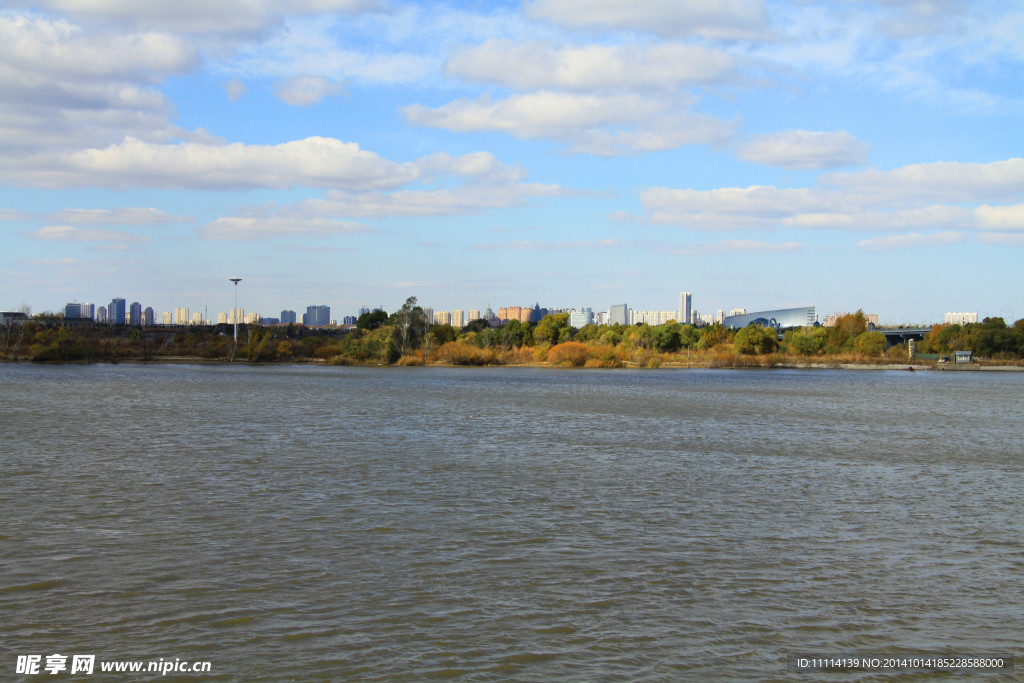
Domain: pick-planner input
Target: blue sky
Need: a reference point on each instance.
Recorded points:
(760, 154)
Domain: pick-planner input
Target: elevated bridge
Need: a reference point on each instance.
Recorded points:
(894, 336)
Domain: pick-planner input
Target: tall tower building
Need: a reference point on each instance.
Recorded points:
(685, 308)
(316, 316)
(458, 319)
(116, 311)
(135, 315)
(618, 314)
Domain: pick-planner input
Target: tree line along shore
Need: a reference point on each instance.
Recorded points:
(406, 337)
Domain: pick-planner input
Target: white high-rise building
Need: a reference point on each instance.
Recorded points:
(442, 318)
(618, 314)
(458, 319)
(685, 308)
(580, 318)
(181, 316)
(165, 318)
(197, 318)
(961, 318)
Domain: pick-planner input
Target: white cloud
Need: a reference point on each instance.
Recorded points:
(606, 125)
(15, 215)
(730, 207)
(1014, 239)
(530, 245)
(912, 240)
(735, 247)
(312, 162)
(724, 19)
(917, 197)
(933, 216)
(947, 181)
(1000, 217)
(224, 17)
(479, 166)
(303, 91)
(122, 216)
(61, 85)
(804, 149)
(538, 65)
(270, 226)
(235, 89)
(67, 233)
(458, 201)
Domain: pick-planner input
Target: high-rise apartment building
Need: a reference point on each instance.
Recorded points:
(618, 314)
(101, 314)
(458, 319)
(474, 314)
(181, 316)
(442, 318)
(685, 308)
(135, 314)
(316, 316)
(961, 318)
(165, 318)
(73, 310)
(197, 318)
(148, 316)
(116, 312)
(288, 316)
(581, 317)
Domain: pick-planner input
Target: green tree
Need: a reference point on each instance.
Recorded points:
(666, 338)
(869, 343)
(846, 329)
(641, 337)
(552, 328)
(366, 321)
(442, 334)
(409, 324)
(754, 339)
(713, 335)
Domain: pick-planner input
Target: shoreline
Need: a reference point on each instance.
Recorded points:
(188, 360)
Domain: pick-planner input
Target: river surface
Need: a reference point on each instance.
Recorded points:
(295, 523)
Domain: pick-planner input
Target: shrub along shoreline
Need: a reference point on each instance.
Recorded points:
(405, 339)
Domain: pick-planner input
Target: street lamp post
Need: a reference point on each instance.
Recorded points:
(234, 311)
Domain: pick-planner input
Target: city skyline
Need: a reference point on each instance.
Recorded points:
(762, 154)
(321, 315)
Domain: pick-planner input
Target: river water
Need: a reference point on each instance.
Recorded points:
(294, 523)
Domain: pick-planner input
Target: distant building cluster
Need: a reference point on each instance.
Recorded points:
(960, 318)
(831, 319)
(119, 312)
